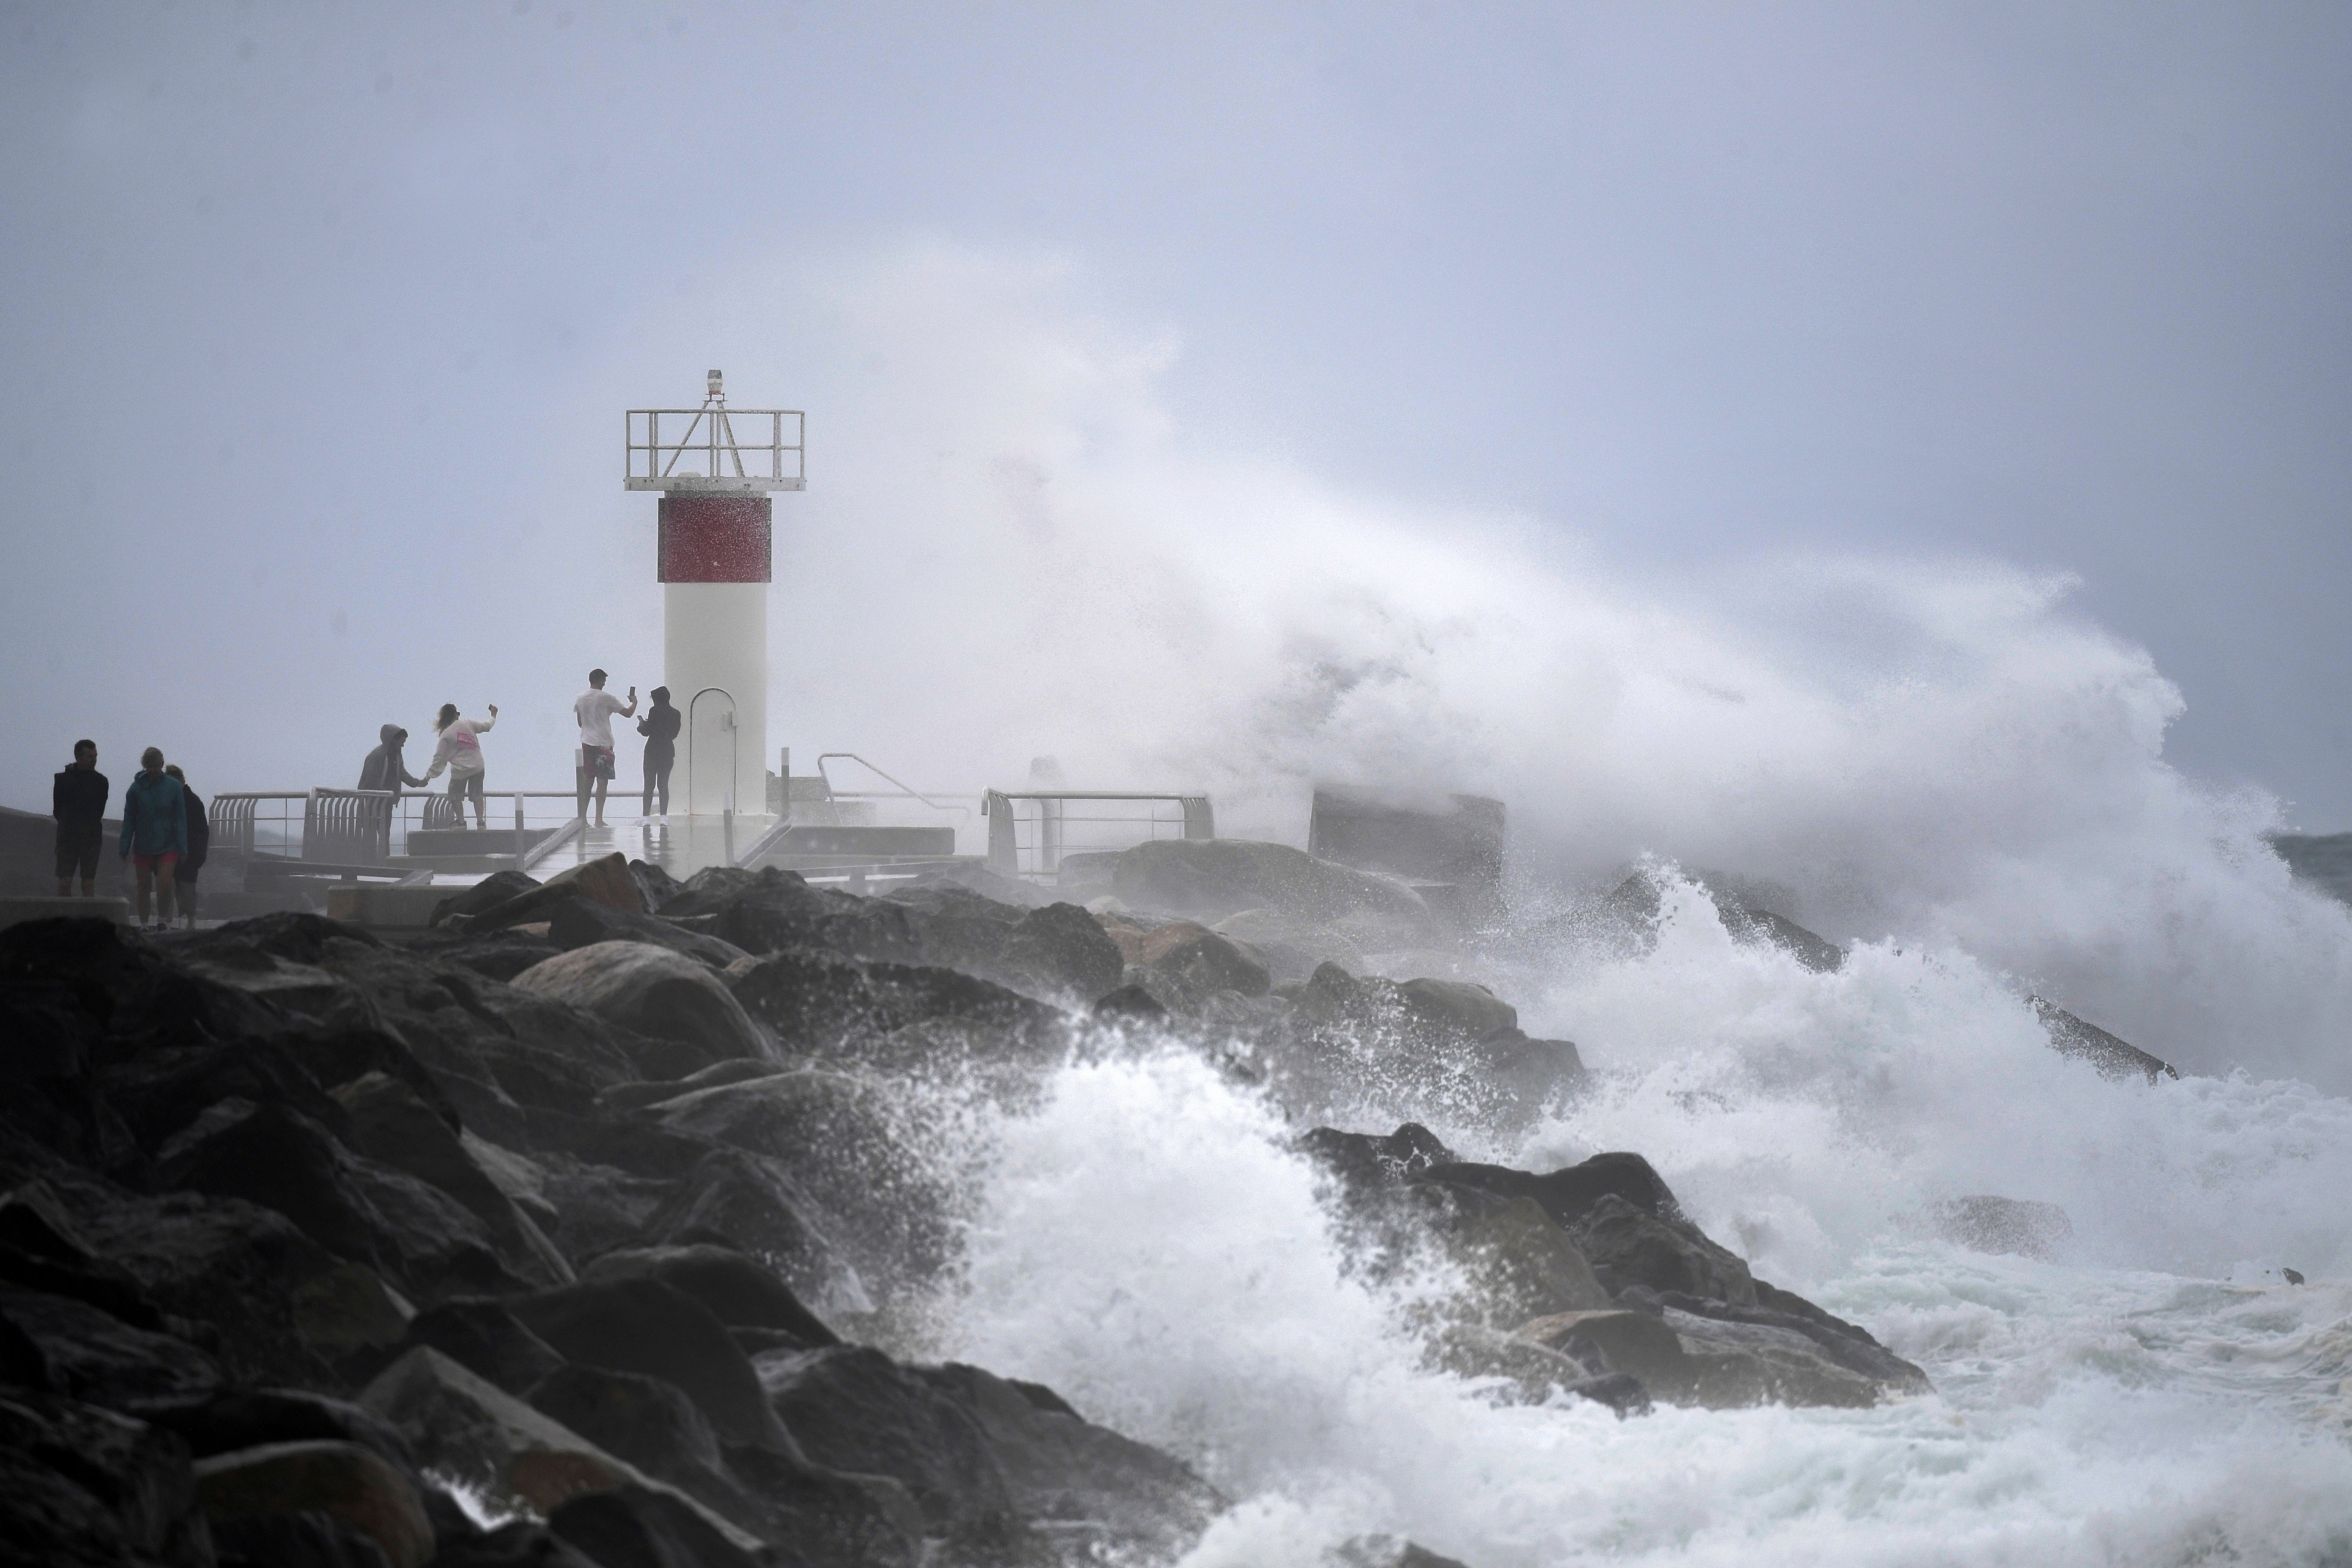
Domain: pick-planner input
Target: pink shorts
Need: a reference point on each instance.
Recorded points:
(165, 861)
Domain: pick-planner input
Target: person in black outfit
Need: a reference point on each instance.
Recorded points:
(385, 768)
(659, 727)
(80, 799)
(200, 839)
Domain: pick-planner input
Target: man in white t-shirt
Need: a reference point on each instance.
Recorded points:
(595, 709)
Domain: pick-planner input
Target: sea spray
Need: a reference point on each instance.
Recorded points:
(1147, 1242)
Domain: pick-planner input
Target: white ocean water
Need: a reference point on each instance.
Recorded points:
(1147, 1246)
(1945, 764)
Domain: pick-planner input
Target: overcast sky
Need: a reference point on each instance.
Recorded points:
(316, 321)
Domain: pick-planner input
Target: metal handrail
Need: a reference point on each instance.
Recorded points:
(907, 791)
(719, 447)
(1004, 846)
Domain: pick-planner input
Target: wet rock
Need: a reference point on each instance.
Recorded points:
(1086, 1486)
(580, 922)
(2115, 1058)
(389, 1125)
(486, 1339)
(1568, 1193)
(1385, 1551)
(1060, 950)
(1368, 1162)
(823, 1003)
(1129, 1005)
(737, 1289)
(524, 1544)
(1208, 879)
(641, 1528)
(91, 1355)
(347, 1310)
(410, 1232)
(754, 1206)
(1735, 1364)
(854, 1408)
(343, 1479)
(606, 880)
(655, 887)
(1848, 1345)
(459, 1424)
(1640, 1344)
(1517, 1263)
(770, 910)
(236, 1266)
(838, 1139)
(486, 894)
(652, 1425)
(496, 1049)
(635, 1096)
(654, 991)
(1629, 1247)
(307, 1539)
(1984, 1223)
(644, 1326)
(1452, 1045)
(1194, 956)
(495, 955)
(244, 1418)
(163, 1094)
(87, 1486)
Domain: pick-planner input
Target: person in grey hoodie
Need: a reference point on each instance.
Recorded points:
(385, 768)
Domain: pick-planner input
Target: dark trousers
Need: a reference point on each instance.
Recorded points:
(657, 766)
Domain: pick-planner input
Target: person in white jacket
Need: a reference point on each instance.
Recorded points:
(460, 752)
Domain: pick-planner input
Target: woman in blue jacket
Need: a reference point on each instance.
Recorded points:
(154, 831)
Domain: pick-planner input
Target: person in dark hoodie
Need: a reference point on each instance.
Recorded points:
(385, 768)
(659, 727)
(200, 842)
(79, 800)
(154, 831)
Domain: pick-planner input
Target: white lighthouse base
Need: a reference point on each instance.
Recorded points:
(715, 634)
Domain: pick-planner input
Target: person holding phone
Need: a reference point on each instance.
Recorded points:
(594, 708)
(460, 752)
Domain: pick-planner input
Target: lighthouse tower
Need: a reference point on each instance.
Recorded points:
(716, 468)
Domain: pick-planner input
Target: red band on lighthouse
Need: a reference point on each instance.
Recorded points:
(717, 539)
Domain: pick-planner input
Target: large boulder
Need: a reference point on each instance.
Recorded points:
(739, 1291)
(495, 955)
(266, 1289)
(1631, 1246)
(389, 1124)
(854, 1408)
(1985, 1223)
(641, 1528)
(606, 880)
(497, 1050)
(1087, 1484)
(2116, 1059)
(1209, 878)
(821, 1004)
(655, 992)
(1060, 950)
(480, 1335)
(646, 1327)
(92, 1355)
(85, 1486)
(1372, 1042)
(412, 1233)
(582, 922)
(1197, 958)
(346, 1481)
(461, 1426)
(844, 1142)
(749, 1204)
(768, 909)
